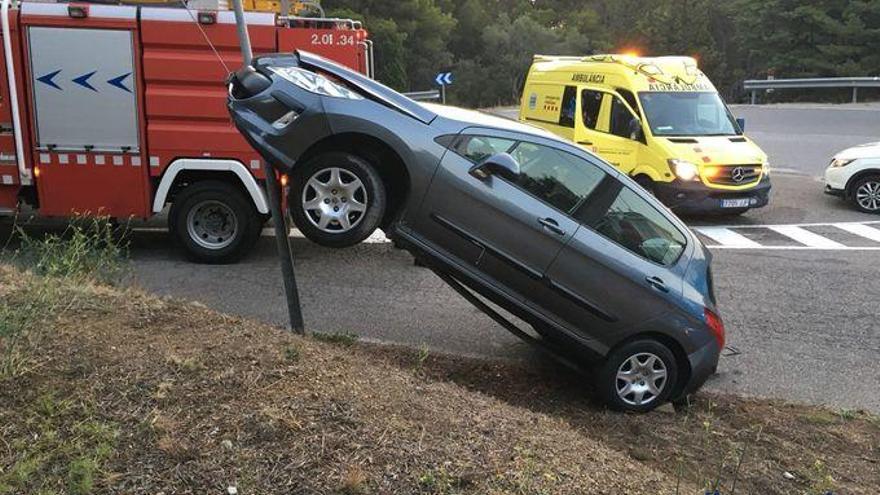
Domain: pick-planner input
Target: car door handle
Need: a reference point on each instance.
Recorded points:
(551, 225)
(588, 143)
(657, 283)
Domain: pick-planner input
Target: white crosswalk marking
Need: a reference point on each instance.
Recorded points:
(806, 237)
(860, 230)
(799, 236)
(727, 237)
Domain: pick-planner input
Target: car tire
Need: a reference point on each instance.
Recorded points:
(337, 199)
(649, 369)
(214, 222)
(865, 194)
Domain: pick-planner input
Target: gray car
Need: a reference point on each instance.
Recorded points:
(554, 235)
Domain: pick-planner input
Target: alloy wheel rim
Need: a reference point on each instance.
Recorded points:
(641, 379)
(334, 200)
(868, 195)
(212, 224)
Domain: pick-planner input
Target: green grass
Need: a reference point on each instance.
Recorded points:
(60, 447)
(55, 268)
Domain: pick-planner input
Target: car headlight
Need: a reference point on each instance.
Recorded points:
(684, 169)
(837, 162)
(315, 83)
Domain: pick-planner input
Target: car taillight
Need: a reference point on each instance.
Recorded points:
(716, 326)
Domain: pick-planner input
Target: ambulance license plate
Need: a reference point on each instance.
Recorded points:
(735, 203)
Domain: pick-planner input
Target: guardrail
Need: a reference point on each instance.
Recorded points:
(755, 85)
(430, 95)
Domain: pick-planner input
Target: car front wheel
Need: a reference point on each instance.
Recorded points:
(337, 199)
(866, 194)
(638, 376)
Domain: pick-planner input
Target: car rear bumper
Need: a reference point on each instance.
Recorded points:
(695, 197)
(703, 364)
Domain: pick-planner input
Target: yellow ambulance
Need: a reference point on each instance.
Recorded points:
(659, 120)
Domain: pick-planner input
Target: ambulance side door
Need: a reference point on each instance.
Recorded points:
(616, 142)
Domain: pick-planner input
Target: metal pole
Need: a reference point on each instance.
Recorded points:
(855, 94)
(754, 97)
(273, 193)
(285, 253)
(443, 94)
(243, 39)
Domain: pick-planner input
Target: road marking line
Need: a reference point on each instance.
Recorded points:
(806, 237)
(860, 230)
(727, 237)
(767, 226)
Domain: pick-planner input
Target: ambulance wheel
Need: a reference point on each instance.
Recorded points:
(214, 222)
(337, 199)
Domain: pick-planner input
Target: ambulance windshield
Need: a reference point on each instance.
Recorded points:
(678, 113)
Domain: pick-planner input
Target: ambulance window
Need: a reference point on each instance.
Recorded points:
(630, 99)
(558, 178)
(591, 101)
(569, 106)
(620, 118)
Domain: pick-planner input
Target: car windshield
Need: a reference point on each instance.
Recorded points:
(676, 113)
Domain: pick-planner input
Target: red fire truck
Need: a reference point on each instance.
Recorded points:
(120, 111)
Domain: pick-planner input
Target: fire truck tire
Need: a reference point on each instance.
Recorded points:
(214, 222)
(337, 199)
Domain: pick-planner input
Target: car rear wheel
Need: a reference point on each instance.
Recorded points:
(638, 376)
(214, 222)
(866, 194)
(337, 199)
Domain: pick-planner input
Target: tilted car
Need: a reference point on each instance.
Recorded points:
(542, 228)
(854, 174)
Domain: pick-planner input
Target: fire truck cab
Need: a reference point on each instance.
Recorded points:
(120, 111)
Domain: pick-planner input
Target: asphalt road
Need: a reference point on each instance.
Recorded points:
(804, 320)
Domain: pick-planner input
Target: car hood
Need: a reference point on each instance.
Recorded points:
(372, 88)
(867, 150)
(715, 150)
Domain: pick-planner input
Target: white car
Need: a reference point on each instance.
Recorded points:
(854, 174)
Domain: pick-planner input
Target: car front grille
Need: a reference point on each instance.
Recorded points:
(736, 175)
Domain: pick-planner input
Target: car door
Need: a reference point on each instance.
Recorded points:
(623, 266)
(616, 144)
(519, 223)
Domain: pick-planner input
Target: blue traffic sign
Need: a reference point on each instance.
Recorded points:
(443, 79)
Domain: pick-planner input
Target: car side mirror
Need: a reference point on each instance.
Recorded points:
(501, 164)
(635, 130)
(741, 122)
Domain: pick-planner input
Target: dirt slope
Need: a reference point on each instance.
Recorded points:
(186, 400)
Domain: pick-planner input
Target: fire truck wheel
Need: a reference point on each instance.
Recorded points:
(214, 222)
(337, 199)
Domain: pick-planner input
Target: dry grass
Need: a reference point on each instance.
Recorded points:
(149, 395)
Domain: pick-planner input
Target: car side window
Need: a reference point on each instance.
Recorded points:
(478, 148)
(568, 107)
(620, 118)
(591, 102)
(558, 178)
(633, 223)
